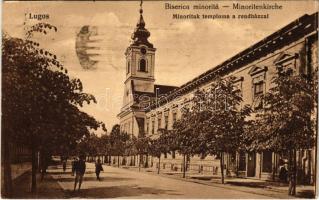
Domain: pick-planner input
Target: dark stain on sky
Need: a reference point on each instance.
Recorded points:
(81, 47)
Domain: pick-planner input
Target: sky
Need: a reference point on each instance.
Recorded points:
(185, 48)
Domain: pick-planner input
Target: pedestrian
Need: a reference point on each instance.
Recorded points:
(283, 171)
(64, 164)
(98, 169)
(79, 171)
(73, 165)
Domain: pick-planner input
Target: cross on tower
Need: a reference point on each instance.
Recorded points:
(141, 8)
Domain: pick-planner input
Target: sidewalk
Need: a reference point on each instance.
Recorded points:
(46, 189)
(255, 186)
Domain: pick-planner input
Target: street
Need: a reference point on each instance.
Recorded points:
(123, 183)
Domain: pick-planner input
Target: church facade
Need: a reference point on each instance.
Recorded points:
(148, 107)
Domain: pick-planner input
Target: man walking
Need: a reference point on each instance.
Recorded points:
(98, 169)
(75, 160)
(79, 167)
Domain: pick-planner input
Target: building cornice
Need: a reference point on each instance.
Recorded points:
(138, 78)
(296, 30)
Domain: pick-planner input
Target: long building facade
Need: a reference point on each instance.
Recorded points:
(148, 107)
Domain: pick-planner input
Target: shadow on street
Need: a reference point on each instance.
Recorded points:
(119, 191)
(69, 173)
(106, 179)
(129, 190)
(308, 194)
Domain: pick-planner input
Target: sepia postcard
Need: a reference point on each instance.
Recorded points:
(176, 99)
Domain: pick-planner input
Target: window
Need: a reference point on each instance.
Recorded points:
(153, 127)
(258, 88)
(242, 161)
(238, 84)
(166, 121)
(174, 117)
(173, 154)
(140, 124)
(258, 75)
(142, 65)
(232, 161)
(286, 60)
(267, 161)
(128, 67)
(159, 123)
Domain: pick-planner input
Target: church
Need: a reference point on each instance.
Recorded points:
(140, 89)
(148, 107)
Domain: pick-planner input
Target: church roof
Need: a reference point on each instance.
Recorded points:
(164, 89)
(159, 90)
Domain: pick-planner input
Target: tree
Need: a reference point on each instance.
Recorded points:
(37, 87)
(105, 146)
(118, 141)
(160, 145)
(219, 119)
(142, 147)
(94, 145)
(131, 149)
(183, 136)
(285, 125)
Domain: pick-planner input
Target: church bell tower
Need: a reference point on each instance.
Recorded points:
(139, 80)
(140, 60)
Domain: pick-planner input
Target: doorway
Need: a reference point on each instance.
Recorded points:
(251, 167)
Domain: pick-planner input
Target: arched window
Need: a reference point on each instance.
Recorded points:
(143, 65)
(128, 67)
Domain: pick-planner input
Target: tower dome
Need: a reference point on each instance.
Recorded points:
(141, 34)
